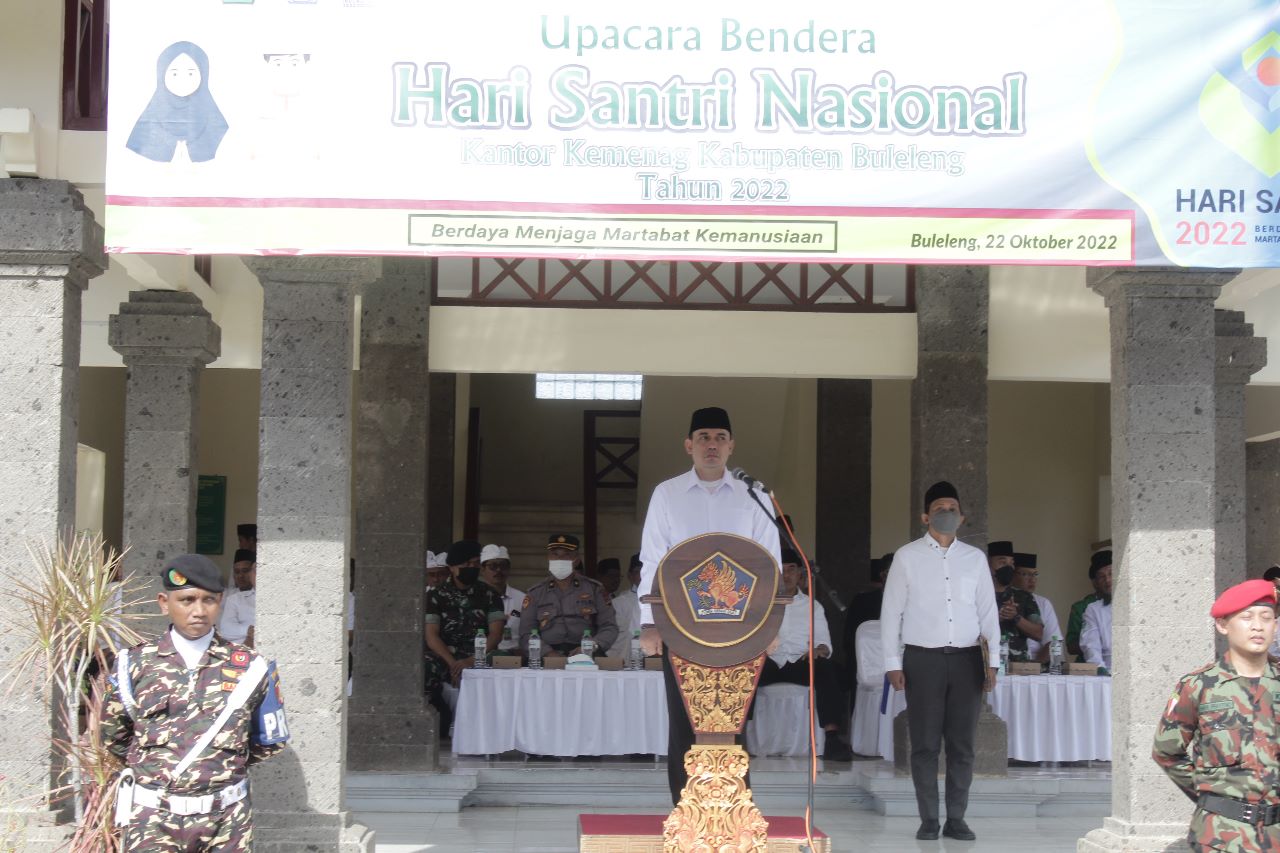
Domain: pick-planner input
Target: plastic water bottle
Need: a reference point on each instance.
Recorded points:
(1004, 654)
(535, 650)
(482, 644)
(1055, 655)
(636, 659)
(506, 638)
(588, 644)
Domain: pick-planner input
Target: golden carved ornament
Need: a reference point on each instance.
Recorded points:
(717, 697)
(716, 813)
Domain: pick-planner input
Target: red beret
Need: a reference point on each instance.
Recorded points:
(1243, 595)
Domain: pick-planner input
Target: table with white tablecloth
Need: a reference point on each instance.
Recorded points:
(560, 712)
(1050, 717)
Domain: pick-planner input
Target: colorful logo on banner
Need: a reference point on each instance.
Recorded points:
(718, 589)
(1240, 104)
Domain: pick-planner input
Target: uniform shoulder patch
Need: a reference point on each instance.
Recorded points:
(525, 605)
(240, 658)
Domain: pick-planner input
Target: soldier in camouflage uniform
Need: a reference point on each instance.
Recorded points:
(182, 790)
(456, 610)
(1019, 613)
(1219, 736)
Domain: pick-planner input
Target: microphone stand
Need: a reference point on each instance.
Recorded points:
(785, 536)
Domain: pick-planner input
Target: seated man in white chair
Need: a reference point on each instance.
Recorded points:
(789, 662)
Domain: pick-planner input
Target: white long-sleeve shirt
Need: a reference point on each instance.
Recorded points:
(1095, 636)
(1052, 628)
(512, 599)
(626, 609)
(237, 614)
(793, 636)
(936, 597)
(684, 507)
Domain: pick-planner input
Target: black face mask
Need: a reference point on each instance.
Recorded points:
(469, 575)
(1004, 575)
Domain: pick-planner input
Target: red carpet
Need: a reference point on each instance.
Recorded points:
(641, 833)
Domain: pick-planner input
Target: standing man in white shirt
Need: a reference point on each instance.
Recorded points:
(1095, 636)
(940, 603)
(1026, 576)
(789, 662)
(239, 607)
(495, 566)
(706, 499)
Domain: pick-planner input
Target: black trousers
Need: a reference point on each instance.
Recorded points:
(944, 699)
(679, 732)
(828, 685)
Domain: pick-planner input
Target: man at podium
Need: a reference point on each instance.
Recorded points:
(706, 499)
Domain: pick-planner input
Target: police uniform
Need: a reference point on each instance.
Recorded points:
(561, 615)
(182, 790)
(1218, 741)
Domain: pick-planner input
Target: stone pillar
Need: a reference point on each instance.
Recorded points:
(440, 450)
(50, 246)
(1262, 461)
(1164, 512)
(1239, 355)
(304, 520)
(392, 726)
(843, 529)
(166, 338)
(949, 394)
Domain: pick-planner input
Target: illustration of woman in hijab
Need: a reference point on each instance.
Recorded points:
(181, 110)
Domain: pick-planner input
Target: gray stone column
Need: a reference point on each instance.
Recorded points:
(440, 450)
(50, 246)
(1164, 513)
(304, 521)
(1239, 356)
(1262, 461)
(949, 394)
(843, 529)
(392, 726)
(166, 338)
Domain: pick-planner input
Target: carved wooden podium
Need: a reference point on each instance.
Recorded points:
(714, 605)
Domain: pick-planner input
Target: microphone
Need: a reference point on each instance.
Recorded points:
(752, 482)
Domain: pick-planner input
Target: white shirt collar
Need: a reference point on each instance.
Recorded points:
(190, 650)
(935, 544)
(692, 480)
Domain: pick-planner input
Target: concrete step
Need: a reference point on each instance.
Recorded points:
(777, 784)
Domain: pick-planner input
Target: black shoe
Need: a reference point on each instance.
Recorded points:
(836, 749)
(928, 831)
(959, 830)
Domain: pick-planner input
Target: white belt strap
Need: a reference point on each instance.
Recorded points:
(124, 798)
(244, 689)
(125, 684)
(153, 799)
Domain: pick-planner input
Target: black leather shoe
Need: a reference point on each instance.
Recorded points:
(928, 831)
(836, 750)
(959, 830)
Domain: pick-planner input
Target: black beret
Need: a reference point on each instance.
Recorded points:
(1002, 548)
(1271, 574)
(567, 541)
(1024, 561)
(609, 564)
(939, 490)
(244, 555)
(250, 530)
(712, 417)
(188, 571)
(1099, 561)
(635, 562)
(462, 551)
(790, 556)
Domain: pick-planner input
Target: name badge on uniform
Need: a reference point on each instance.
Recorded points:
(1221, 705)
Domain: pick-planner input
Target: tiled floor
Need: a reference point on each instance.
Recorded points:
(554, 828)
